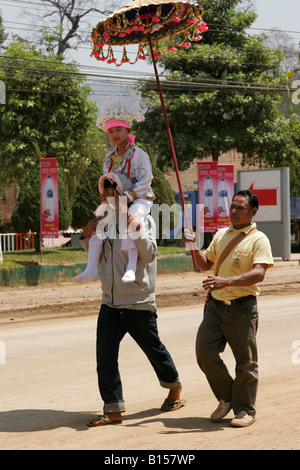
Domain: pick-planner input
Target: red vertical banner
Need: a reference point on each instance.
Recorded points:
(207, 194)
(225, 193)
(49, 198)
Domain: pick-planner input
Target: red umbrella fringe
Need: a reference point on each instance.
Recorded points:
(119, 29)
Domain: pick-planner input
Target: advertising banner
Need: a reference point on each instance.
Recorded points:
(207, 194)
(49, 198)
(225, 193)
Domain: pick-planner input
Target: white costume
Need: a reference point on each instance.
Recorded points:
(134, 164)
(106, 210)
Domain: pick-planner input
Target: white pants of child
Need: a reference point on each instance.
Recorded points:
(139, 208)
(96, 241)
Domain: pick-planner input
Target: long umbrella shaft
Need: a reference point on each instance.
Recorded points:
(170, 140)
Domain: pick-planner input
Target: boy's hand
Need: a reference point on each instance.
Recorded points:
(133, 223)
(91, 227)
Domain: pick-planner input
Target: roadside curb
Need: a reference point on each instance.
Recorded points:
(33, 275)
(44, 274)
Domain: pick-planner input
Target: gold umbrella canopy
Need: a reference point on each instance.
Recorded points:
(134, 23)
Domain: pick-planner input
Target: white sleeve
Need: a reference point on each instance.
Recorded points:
(141, 170)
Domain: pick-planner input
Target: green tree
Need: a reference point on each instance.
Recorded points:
(161, 187)
(26, 213)
(222, 87)
(278, 145)
(47, 108)
(86, 196)
(3, 35)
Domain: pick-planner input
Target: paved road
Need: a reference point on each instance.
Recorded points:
(49, 391)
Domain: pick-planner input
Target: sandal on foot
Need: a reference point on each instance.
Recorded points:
(102, 421)
(167, 404)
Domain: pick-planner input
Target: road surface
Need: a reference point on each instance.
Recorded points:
(49, 386)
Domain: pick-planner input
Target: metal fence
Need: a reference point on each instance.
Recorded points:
(17, 241)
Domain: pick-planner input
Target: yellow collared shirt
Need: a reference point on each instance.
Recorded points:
(251, 250)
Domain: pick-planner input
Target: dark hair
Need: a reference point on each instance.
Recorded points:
(109, 184)
(253, 199)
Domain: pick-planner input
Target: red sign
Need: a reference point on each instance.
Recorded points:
(266, 197)
(49, 198)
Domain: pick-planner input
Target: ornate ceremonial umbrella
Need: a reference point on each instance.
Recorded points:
(150, 21)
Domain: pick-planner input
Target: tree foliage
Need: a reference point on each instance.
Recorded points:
(223, 91)
(86, 196)
(26, 213)
(47, 109)
(3, 35)
(161, 187)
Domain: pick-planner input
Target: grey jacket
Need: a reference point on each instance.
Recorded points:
(114, 262)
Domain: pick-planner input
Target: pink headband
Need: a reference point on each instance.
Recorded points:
(115, 123)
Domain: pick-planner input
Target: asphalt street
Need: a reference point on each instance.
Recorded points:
(49, 386)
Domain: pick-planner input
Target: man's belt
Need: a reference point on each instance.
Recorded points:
(238, 300)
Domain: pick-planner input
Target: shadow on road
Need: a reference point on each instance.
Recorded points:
(33, 420)
(41, 420)
(173, 422)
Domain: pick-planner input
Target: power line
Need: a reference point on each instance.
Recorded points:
(83, 73)
(104, 70)
(169, 84)
(211, 26)
(42, 5)
(66, 72)
(124, 72)
(91, 44)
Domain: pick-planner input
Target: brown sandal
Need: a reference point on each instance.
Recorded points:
(167, 404)
(102, 421)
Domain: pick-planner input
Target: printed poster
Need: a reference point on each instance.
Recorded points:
(225, 193)
(207, 193)
(49, 198)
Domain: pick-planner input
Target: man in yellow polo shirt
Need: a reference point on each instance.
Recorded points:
(231, 314)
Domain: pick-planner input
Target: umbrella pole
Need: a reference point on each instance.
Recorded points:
(171, 141)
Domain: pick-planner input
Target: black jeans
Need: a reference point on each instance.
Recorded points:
(235, 324)
(113, 324)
